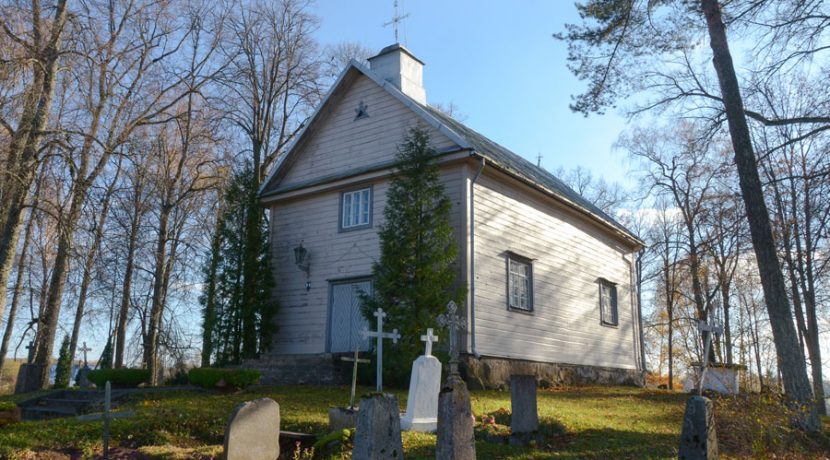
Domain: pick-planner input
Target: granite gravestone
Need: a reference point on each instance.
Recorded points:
(698, 440)
(424, 386)
(253, 431)
(524, 420)
(378, 433)
(456, 437)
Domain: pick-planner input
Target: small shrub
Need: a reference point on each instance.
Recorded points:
(6, 406)
(63, 371)
(128, 378)
(231, 379)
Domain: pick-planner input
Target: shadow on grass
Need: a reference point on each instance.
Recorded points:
(589, 444)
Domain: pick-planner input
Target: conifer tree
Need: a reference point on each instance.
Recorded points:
(63, 370)
(234, 328)
(416, 275)
(106, 356)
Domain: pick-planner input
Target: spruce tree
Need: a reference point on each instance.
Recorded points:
(416, 275)
(63, 370)
(106, 356)
(235, 328)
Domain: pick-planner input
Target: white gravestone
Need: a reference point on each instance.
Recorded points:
(424, 386)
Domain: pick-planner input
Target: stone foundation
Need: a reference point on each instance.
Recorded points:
(494, 373)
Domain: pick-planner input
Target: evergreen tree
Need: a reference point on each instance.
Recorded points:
(106, 356)
(237, 327)
(416, 275)
(63, 370)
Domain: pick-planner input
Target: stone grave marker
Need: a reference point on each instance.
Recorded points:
(81, 378)
(378, 434)
(524, 419)
(456, 437)
(424, 387)
(698, 439)
(253, 431)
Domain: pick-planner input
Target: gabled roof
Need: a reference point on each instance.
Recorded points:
(467, 139)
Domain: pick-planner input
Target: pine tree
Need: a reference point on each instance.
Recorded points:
(416, 275)
(63, 370)
(234, 328)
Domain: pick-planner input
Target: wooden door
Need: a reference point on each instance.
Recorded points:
(346, 321)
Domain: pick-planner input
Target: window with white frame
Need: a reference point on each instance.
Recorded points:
(608, 302)
(356, 209)
(519, 283)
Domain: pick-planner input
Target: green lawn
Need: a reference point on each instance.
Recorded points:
(599, 422)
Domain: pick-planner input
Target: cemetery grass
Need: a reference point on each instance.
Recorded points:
(598, 422)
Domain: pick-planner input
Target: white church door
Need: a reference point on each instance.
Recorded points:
(346, 320)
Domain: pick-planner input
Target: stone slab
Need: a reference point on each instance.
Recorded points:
(342, 417)
(378, 433)
(456, 437)
(422, 403)
(525, 415)
(253, 431)
(698, 440)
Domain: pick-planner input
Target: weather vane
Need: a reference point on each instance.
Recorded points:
(396, 19)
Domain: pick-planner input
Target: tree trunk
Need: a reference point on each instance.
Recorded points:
(151, 341)
(48, 324)
(792, 366)
(209, 314)
(89, 261)
(18, 283)
(25, 144)
(124, 309)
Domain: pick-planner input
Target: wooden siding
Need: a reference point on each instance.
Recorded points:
(302, 318)
(569, 255)
(341, 143)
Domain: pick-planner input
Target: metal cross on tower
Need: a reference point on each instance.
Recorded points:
(430, 338)
(380, 335)
(396, 19)
(453, 322)
(84, 349)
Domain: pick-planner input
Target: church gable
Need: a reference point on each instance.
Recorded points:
(360, 129)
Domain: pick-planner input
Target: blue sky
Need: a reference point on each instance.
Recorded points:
(497, 62)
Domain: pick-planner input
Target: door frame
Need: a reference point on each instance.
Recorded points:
(337, 281)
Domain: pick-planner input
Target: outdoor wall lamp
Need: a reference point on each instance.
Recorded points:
(302, 259)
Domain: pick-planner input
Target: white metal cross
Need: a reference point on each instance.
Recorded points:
(453, 322)
(429, 339)
(84, 349)
(380, 335)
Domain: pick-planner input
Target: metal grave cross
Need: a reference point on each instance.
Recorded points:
(31, 355)
(453, 322)
(84, 349)
(429, 339)
(356, 360)
(713, 328)
(380, 335)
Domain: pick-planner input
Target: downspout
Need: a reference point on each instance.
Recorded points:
(639, 281)
(473, 256)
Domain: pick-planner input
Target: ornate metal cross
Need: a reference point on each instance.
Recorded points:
(429, 339)
(84, 349)
(356, 360)
(453, 322)
(396, 19)
(713, 328)
(380, 335)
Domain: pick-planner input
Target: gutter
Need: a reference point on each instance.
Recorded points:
(473, 256)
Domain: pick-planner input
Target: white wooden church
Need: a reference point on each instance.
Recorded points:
(551, 278)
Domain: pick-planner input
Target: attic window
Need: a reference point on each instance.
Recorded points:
(362, 111)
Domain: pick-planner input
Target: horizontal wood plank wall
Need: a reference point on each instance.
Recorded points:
(341, 143)
(569, 255)
(302, 318)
